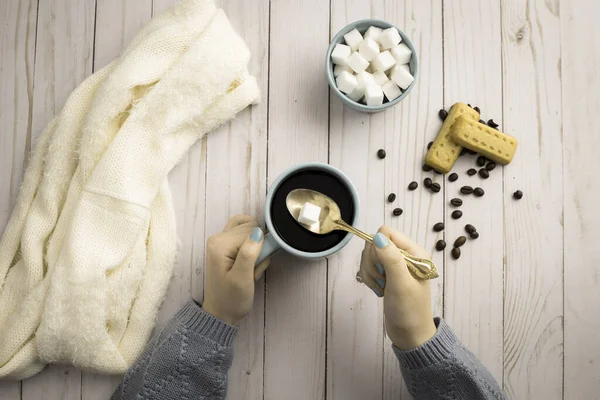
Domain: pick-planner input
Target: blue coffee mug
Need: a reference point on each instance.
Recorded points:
(273, 242)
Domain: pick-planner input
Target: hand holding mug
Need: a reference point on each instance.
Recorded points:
(230, 275)
(406, 300)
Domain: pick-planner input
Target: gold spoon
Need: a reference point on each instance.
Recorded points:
(330, 219)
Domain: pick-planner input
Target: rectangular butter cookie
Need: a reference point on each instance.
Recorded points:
(489, 142)
(444, 152)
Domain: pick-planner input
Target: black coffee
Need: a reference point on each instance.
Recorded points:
(292, 232)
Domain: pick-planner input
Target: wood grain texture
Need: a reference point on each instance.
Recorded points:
(116, 24)
(408, 129)
(236, 181)
(355, 313)
(580, 37)
(64, 53)
(17, 55)
(296, 315)
(533, 295)
(473, 288)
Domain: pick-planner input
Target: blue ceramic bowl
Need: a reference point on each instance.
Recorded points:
(362, 27)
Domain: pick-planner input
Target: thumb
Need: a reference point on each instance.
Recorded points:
(248, 254)
(389, 256)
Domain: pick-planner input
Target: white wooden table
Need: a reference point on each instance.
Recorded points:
(524, 297)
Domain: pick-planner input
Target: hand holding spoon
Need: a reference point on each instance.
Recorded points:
(330, 219)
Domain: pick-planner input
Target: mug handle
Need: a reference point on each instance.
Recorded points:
(270, 246)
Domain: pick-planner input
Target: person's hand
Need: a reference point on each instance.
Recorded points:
(406, 300)
(230, 274)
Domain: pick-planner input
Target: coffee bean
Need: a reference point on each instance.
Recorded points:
(429, 145)
(478, 192)
(397, 212)
(456, 214)
(471, 152)
(438, 227)
(470, 228)
(437, 172)
(435, 187)
(518, 195)
(466, 190)
(426, 168)
(381, 153)
(456, 202)
(469, 105)
(391, 197)
(463, 152)
(492, 124)
(482, 121)
(474, 235)
(481, 161)
(490, 166)
(413, 185)
(456, 253)
(471, 171)
(427, 182)
(440, 245)
(460, 241)
(484, 173)
(477, 109)
(453, 177)
(443, 114)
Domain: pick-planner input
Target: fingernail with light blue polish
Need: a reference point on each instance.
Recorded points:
(258, 277)
(256, 235)
(380, 283)
(377, 292)
(380, 241)
(380, 269)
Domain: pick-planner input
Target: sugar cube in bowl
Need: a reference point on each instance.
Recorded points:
(400, 50)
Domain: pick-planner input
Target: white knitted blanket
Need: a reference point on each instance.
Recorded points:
(87, 255)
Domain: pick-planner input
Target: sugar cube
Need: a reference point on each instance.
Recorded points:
(353, 39)
(401, 53)
(405, 67)
(380, 77)
(373, 95)
(357, 62)
(373, 32)
(369, 49)
(309, 214)
(338, 69)
(389, 38)
(340, 54)
(364, 79)
(356, 94)
(391, 90)
(401, 77)
(346, 82)
(383, 61)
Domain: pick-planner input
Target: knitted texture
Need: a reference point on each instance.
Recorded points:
(442, 368)
(188, 359)
(87, 255)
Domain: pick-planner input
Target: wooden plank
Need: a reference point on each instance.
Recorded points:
(580, 37)
(355, 313)
(187, 186)
(408, 129)
(117, 22)
(533, 280)
(65, 34)
(473, 303)
(295, 337)
(236, 180)
(17, 49)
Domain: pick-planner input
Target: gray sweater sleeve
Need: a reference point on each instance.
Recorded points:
(442, 368)
(188, 359)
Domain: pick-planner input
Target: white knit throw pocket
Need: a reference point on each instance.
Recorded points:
(86, 258)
